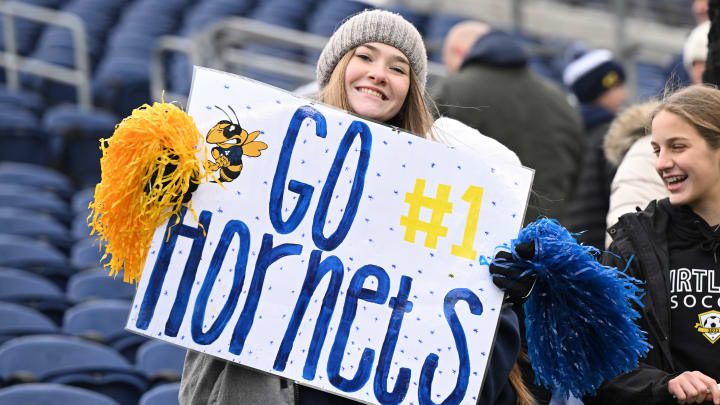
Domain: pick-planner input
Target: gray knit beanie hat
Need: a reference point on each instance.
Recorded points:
(374, 26)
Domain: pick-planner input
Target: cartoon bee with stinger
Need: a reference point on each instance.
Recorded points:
(232, 143)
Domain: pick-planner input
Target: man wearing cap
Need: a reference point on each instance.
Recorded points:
(598, 83)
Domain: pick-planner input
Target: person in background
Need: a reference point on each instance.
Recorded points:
(375, 66)
(598, 83)
(695, 52)
(700, 10)
(627, 147)
(673, 247)
(491, 88)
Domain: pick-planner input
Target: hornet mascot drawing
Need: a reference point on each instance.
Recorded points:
(232, 142)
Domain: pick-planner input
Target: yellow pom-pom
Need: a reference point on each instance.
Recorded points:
(147, 166)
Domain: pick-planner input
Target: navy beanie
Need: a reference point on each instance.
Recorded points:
(593, 74)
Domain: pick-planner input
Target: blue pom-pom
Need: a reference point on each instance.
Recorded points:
(579, 318)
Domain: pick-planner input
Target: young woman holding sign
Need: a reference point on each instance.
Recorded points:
(375, 66)
(674, 247)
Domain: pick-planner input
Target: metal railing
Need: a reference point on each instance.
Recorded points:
(14, 63)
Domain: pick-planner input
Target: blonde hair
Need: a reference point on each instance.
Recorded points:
(698, 105)
(413, 116)
(524, 397)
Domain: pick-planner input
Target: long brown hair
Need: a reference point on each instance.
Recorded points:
(413, 116)
(524, 397)
(698, 105)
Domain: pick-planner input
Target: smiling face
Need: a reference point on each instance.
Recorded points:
(377, 80)
(689, 167)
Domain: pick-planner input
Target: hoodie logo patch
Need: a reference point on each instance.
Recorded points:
(709, 325)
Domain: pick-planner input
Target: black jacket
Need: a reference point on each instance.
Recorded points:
(642, 236)
(588, 210)
(497, 93)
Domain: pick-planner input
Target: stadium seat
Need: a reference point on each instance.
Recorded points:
(86, 254)
(23, 288)
(79, 228)
(42, 227)
(414, 17)
(22, 138)
(161, 362)
(331, 13)
(103, 321)
(130, 44)
(97, 284)
(52, 394)
(26, 33)
(651, 80)
(35, 256)
(36, 176)
(166, 394)
(143, 21)
(206, 12)
(18, 320)
(71, 361)
(80, 131)
(21, 98)
(36, 200)
(122, 84)
(284, 13)
(81, 199)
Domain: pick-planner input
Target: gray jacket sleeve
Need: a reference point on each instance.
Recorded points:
(209, 380)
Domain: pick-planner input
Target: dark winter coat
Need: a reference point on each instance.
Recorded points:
(496, 93)
(587, 212)
(643, 236)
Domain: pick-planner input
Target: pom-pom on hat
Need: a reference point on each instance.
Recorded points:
(593, 74)
(374, 26)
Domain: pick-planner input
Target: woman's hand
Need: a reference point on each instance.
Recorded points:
(694, 387)
(510, 278)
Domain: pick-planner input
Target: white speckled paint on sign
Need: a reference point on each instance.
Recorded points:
(376, 237)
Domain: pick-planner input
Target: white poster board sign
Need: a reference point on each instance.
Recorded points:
(346, 255)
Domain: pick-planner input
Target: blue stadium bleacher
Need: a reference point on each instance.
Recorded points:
(37, 177)
(35, 256)
(86, 253)
(166, 394)
(22, 138)
(18, 320)
(52, 394)
(161, 362)
(79, 131)
(71, 361)
(36, 200)
(17, 221)
(103, 321)
(24, 99)
(81, 199)
(79, 228)
(97, 284)
(33, 291)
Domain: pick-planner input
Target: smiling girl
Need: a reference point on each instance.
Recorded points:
(674, 246)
